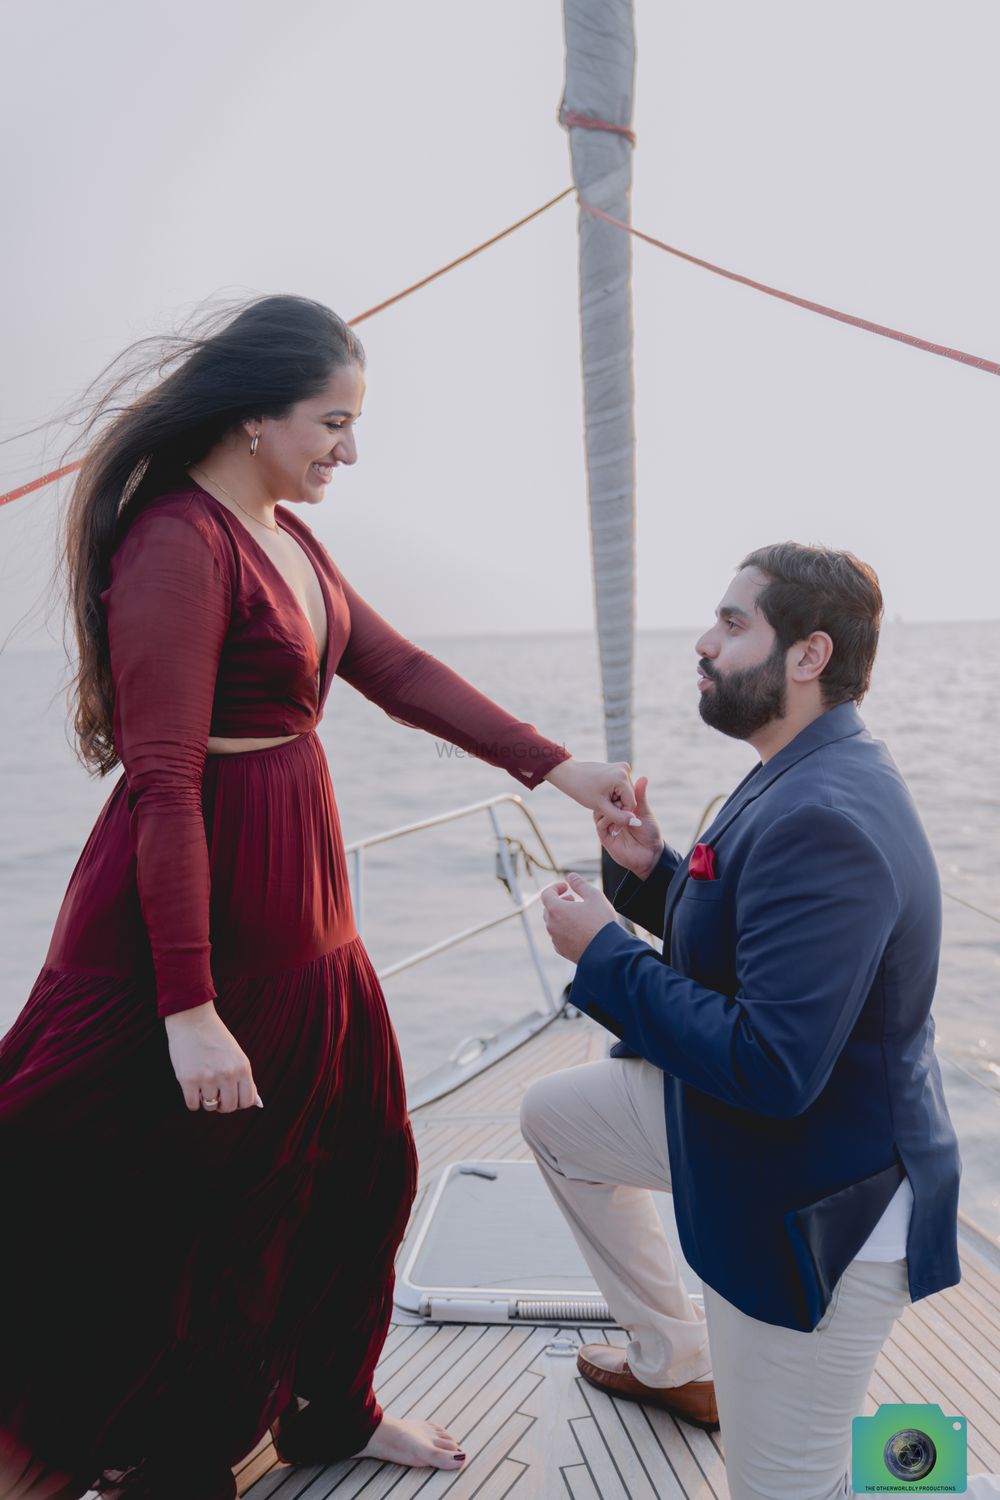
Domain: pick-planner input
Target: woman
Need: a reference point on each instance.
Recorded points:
(177, 1283)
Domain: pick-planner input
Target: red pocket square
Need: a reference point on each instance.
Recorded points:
(702, 866)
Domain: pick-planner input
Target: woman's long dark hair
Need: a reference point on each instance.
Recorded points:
(257, 360)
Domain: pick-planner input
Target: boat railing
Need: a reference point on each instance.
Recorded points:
(473, 1054)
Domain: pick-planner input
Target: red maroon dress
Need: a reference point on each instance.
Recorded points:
(175, 1280)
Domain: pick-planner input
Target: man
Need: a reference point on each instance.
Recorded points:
(786, 1029)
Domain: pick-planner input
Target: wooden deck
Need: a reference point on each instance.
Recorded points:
(533, 1428)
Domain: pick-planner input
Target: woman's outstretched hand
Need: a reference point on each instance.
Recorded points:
(635, 849)
(209, 1061)
(604, 788)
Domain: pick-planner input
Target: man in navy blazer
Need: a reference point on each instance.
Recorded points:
(784, 1040)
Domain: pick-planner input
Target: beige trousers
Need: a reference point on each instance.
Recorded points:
(786, 1399)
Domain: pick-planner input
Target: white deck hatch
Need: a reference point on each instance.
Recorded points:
(491, 1246)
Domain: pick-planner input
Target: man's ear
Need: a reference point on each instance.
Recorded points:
(810, 656)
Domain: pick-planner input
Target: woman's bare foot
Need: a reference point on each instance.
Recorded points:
(419, 1445)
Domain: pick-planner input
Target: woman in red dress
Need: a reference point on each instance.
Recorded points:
(207, 1160)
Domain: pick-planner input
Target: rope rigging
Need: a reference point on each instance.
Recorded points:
(989, 366)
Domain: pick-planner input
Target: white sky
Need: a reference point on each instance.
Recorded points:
(156, 156)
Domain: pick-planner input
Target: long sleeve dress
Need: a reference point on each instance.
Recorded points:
(175, 1281)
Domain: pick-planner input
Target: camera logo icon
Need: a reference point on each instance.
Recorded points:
(909, 1449)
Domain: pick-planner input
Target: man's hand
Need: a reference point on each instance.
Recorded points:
(574, 912)
(635, 849)
(605, 788)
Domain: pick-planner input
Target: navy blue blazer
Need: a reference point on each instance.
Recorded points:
(792, 1023)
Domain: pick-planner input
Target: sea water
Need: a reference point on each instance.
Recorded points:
(934, 700)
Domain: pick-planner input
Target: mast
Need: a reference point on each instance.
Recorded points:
(597, 112)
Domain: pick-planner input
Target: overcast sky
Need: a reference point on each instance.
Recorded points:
(158, 156)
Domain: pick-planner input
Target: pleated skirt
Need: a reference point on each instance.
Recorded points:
(175, 1281)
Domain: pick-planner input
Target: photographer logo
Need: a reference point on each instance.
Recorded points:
(908, 1450)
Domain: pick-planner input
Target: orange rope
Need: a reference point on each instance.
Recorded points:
(37, 484)
(990, 366)
(570, 117)
(462, 258)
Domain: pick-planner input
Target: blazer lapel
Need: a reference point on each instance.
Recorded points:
(837, 723)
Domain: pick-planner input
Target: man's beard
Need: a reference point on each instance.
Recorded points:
(742, 703)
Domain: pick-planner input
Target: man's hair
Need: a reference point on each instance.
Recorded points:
(816, 588)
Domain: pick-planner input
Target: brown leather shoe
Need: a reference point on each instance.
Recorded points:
(606, 1367)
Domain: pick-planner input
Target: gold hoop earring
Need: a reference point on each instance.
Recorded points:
(253, 445)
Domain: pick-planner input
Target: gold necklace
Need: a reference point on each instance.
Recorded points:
(233, 498)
